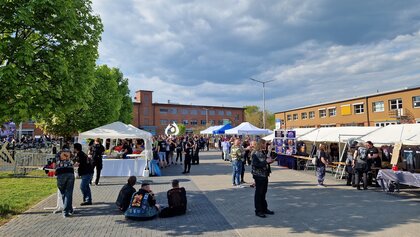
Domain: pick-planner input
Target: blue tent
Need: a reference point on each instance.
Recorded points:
(222, 129)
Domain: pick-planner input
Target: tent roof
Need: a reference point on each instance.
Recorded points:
(299, 132)
(222, 129)
(246, 128)
(115, 130)
(332, 134)
(395, 133)
(210, 129)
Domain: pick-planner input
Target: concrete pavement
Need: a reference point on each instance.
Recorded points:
(218, 209)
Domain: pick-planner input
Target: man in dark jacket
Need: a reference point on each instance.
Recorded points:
(177, 201)
(126, 192)
(97, 152)
(85, 172)
(65, 179)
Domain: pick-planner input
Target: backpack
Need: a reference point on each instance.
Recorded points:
(64, 160)
(362, 153)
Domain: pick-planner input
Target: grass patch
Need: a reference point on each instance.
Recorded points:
(20, 193)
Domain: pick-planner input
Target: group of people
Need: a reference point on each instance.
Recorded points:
(141, 204)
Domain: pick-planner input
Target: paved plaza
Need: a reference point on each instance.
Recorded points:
(215, 208)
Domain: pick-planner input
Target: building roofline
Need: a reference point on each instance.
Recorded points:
(144, 90)
(350, 99)
(201, 106)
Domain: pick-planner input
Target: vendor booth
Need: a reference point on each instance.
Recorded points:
(222, 129)
(210, 129)
(246, 128)
(117, 131)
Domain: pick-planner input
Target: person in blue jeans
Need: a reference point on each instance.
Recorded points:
(237, 153)
(85, 172)
(321, 164)
(65, 179)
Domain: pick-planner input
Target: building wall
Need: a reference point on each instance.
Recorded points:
(410, 114)
(155, 117)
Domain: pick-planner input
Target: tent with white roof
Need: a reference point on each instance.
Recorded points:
(210, 129)
(299, 132)
(392, 134)
(246, 128)
(334, 134)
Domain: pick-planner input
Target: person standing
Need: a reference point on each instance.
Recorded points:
(321, 163)
(189, 146)
(237, 153)
(97, 152)
(162, 152)
(170, 155)
(225, 149)
(85, 171)
(196, 152)
(373, 159)
(65, 179)
(260, 172)
(360, 165)
(179, 149)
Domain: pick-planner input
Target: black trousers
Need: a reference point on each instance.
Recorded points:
(187, 163)
(98, 168)
(261, 185)
(361, 173)
(196, 158)
(350, 174)
(243, 171)
(178, 155)
(170, 212)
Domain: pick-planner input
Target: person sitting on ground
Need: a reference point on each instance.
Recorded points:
(143, 205)
(177, 201)
(126, 192)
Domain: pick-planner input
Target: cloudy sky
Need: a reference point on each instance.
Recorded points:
(204, 52)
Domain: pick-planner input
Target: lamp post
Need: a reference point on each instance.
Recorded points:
(263, 85)
(207, 116)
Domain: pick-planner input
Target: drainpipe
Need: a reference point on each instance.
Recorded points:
(367, 111)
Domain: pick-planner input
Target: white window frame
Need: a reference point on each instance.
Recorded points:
(295, 117)
(311, 113)
(289, 117)
(324, 113)
(361, 110)
(374, 106)
(416, 99)
(398, 106)
(304, 115)
(332, 109)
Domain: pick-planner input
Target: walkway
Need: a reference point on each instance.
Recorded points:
(218, 209)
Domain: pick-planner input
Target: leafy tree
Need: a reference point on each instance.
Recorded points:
(254, 115)
(126, 111)
(48, 50)
(182, 129)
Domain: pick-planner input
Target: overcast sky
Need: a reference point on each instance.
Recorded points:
(203, 52)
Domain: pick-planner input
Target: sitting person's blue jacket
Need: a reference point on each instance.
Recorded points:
(142, 206)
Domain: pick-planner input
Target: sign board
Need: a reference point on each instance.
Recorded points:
(396, 153)
(172, 129)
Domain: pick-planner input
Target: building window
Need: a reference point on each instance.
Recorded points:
(236, 117)
(163, 111)
(185, 111)
(185, 122)
(289, 117)
(311, 115)
(203, 122)
(194, 112)
(194, 122)
(395, 104)
(221, 112)
(163, 122)
(416, 101)
(212, 112)
(228, 113)
(345, 110)
(384, 124)
(359, 109)
(295, 116)
(212, 122)
(332, 112)
(220, 122)
(378, 106)
(304, 115)
(203, 112)
(322, 113)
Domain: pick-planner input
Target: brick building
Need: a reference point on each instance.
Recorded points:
(379, 109)
(154, 117)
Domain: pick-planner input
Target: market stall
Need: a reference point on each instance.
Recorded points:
(116, 131)
(222, 129)
(210, 129)
(246, 128)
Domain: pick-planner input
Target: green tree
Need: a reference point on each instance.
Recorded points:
(254, 115)
(126, 111)
(182, 129)
(48, 50)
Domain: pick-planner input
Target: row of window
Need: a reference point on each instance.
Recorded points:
(195, 112)
(191, 122)
(358, 108)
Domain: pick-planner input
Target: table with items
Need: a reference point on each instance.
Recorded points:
(390, 180)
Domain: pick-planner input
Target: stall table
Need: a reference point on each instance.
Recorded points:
(386, 177)
(123, 167)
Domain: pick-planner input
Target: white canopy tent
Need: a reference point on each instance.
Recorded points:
(210, 129)
(119, 130)
(394, 133)
(246, 128)
(332, 134)
(299, 132)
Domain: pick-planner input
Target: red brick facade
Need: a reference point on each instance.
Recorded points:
(154, 117)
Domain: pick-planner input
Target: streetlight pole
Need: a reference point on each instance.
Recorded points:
(263, 85)
(207, 116)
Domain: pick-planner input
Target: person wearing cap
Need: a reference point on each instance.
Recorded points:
(65, 179)
(125, 194)
(177, 201)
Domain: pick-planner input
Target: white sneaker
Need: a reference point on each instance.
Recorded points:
(240, 186)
